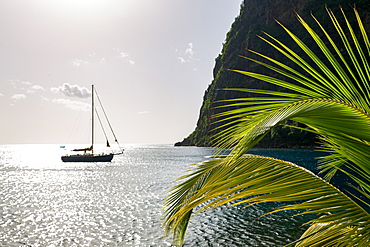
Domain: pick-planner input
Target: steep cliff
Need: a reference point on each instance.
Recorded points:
(257, 16)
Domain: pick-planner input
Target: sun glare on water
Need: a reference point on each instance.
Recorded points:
(34, 156)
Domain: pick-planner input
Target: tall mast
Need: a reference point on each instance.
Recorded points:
(92, 119)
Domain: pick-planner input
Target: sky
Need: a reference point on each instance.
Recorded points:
(150, 61)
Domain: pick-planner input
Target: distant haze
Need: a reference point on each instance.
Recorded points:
(150, 60)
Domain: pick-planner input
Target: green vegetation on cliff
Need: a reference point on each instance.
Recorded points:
(256, 17)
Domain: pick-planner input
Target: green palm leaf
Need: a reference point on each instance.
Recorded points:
(331, 97)
(254, 179)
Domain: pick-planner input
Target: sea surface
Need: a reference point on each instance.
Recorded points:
(45, 202)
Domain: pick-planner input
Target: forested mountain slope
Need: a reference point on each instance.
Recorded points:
(257, 16)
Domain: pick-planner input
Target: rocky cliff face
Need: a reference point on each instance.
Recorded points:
(257, 16)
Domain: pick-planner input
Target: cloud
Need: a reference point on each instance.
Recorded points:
(142, 112)
(190, 51)
(25, 86)
(78, 62)
(26, 83)
(123, 56)
(34, 88)
(182, 60)
(91, 54)
(188, 55)
(96, 59)
(37, 87)
(72, 90)
(74, 105)
(18, 84)
(19, 96)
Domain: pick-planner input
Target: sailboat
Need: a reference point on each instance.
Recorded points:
(88, 154)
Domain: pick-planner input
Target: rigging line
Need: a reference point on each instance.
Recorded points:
(101, 125)
(115, 138)
(76, 126)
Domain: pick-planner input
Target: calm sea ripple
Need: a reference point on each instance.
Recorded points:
(45, 202)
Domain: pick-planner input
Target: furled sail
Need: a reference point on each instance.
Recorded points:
(83, 149)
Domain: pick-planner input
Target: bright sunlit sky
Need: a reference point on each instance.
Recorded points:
(150, 60)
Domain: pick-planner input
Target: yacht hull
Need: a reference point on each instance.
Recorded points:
(88, 158)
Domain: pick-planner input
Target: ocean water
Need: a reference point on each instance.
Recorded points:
(45, 202)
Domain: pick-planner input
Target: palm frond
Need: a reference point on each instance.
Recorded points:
(253, 179)
(330, 96)
(321, 234)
